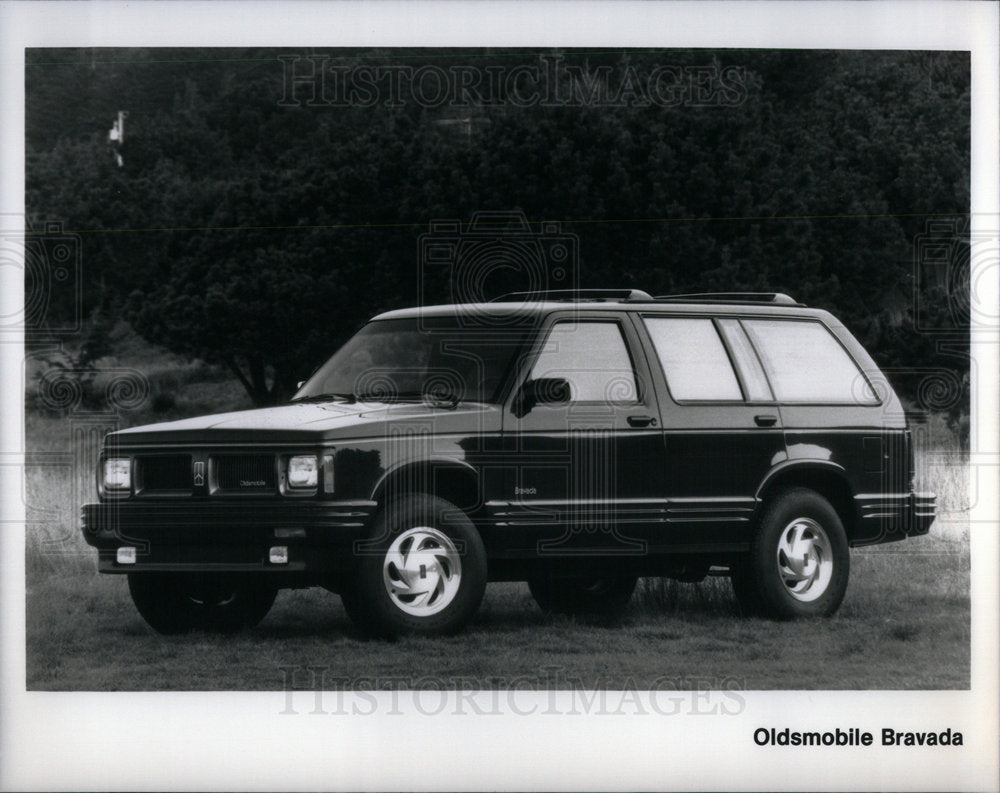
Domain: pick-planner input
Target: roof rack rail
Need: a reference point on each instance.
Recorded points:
(617, 295)
(766, 298)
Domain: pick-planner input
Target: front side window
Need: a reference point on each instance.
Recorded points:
(693, 358)
(593, 358)
(805, 363)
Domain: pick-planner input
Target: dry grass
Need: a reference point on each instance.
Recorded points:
(904, 625)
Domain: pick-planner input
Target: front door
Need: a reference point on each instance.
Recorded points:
(588, 473)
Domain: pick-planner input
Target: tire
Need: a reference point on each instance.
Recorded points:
(605, 596)
(180, 602)
(424, 572)
(799, 560)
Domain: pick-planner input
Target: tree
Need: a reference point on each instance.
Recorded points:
(260, 235)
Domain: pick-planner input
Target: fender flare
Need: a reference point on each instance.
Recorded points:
(825, 466)
(434, 464)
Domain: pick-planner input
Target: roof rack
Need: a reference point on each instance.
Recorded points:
(616, 295)
(767, 298)
(639, 296)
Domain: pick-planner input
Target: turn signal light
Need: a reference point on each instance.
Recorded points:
(278, 554)
(126, 555)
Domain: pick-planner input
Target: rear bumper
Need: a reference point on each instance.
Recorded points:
(891, 517)
(923, 510)
(196, 535)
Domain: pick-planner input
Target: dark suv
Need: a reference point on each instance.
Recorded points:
(573, 440)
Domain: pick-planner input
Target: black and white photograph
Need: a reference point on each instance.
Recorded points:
(578, 400)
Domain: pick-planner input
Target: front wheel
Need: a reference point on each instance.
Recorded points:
(423, 573)
(799, 561)
(180, 602)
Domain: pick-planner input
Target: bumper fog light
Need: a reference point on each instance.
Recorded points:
(278, 554)
(126, 555)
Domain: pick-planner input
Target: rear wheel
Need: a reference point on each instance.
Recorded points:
(424, 573)
(180, 602)
(799, 562)
(595, 596)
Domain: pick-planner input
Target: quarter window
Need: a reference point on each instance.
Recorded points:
(592, 357)
(694, 361)
(805, 363)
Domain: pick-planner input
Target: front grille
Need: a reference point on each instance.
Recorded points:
(245, 473)
(164, 473)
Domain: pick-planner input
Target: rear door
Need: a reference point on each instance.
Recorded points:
(833, 415)
(722, 428)
(589, 474)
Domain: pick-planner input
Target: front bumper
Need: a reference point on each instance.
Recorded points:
(176, 535)
(888, 518)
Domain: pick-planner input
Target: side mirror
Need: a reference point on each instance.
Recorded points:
(543, 391)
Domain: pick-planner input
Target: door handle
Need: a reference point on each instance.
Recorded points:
(765, 420)
(641, 421)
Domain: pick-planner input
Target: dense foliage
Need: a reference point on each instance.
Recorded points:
(252, 228)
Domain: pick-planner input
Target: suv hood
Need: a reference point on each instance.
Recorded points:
(313, 422)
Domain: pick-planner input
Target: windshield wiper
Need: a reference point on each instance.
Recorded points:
(328, 397)
(387, 396)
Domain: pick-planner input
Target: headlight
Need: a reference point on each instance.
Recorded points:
(303, 471)
(117, 474)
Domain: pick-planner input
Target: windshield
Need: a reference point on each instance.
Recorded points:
(418, 358)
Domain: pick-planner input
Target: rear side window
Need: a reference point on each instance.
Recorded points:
(693, 358)
(806, 363)
(593, 357)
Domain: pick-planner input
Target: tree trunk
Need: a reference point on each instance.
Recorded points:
(254, 380)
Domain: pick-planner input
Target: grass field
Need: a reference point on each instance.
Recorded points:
(903, 625)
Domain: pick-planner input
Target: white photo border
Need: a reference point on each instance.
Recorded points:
(199, 741)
